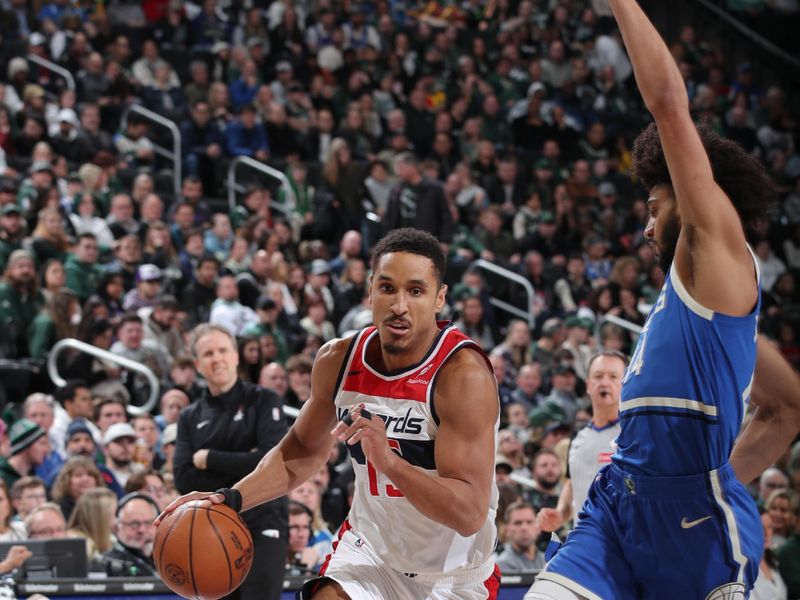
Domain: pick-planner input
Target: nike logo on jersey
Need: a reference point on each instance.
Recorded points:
(202, 424)
(689, 524)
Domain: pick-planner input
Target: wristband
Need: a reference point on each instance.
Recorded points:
(233, 498)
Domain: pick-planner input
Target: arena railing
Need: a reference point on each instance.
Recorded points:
(127, 363)
(234, 186)
(51, 66)
(173, 155)
(624, 323)
(525, 315)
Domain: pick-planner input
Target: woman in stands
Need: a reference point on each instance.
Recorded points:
(93, 519)
(57, 320)
(78, 475)
(9, 530)
(50, 239)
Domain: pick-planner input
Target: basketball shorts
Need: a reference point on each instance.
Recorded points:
(660, 538)
(363, 576)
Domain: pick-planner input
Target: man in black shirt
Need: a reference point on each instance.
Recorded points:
(418, 202)
(221, 438)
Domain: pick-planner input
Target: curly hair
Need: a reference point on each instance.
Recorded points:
(741, 176)
(413, 241)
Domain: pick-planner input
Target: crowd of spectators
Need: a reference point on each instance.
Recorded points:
(505, 129)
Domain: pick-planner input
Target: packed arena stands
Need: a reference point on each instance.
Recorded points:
(165, 164)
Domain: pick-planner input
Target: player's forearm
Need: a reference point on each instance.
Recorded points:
(451, 502)
(657, 76)
(286, 466)
(766, 438)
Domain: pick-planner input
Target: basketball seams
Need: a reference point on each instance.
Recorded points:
(238, 521)
(163, 545)
(191, 569)
(224, 548)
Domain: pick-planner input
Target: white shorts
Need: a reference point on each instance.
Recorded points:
(364, 577)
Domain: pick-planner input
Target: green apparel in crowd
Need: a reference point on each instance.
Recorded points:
(82, 278)
(6, 248)
(17, 312)
(42, 335)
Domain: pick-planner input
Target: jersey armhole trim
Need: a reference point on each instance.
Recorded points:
(694, 305)
(346, 362)
(468, 343)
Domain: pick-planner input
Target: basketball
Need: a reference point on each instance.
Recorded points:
(203, 553)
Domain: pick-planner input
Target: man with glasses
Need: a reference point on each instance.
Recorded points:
(46, 521)
(27, 494)
(135, 533)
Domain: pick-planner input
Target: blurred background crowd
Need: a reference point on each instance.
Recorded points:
(504, 128)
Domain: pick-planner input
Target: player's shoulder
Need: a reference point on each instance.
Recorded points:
(466, 369)
(333, 352)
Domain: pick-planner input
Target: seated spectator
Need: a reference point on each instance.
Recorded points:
(202, 141)
(152, 484)
(148, 288)
(171, 404)
(78, 475)
(133, 145)
(20, 302)
(54, 322)
(145, 70)
(9, 530)
(219, 238)
(118, 443)
(46, 522)
(93, 519)
(521, 532)
(246, 137)
(85, 219)
(131, 344)
(782, 507)
(164, 95)
(321, 540)
(301, 559)
(315, 322)
(83, 272)
(27, 494)
(29, 448)
(227, 311)
(473, 324)
(135, 533)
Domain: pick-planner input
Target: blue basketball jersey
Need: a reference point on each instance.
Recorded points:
(686, 390)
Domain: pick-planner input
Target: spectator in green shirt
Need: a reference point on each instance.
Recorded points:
(11, 232)
(58, 320)
(83, 272)
(20, 302)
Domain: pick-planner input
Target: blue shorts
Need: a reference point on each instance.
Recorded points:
(690, 537)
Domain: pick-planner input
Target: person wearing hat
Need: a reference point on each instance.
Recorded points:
(29, 448)
(66, 139)
(20, 302)
(118, 446)
(563, 393)
(147, 290)
(12, 232)
(319, 280)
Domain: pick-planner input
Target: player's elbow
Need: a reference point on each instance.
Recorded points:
(668, 104)
(471, 521)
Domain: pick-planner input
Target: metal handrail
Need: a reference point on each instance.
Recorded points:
(256, 165)
(127, 363)
(526, 315)
(51, 66)
(624, 323)
(175, 154)
(522, 480)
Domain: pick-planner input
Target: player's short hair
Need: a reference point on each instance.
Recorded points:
(413, 241)
(609, 353)
(741, 176)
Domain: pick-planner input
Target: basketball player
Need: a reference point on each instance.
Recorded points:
(593, 445)
(668, 518)
(421, 523)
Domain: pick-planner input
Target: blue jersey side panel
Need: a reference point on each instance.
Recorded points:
(687, 387)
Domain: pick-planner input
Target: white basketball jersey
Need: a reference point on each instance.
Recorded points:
(391, 527)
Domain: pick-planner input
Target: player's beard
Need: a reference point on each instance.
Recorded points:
(669, 241)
